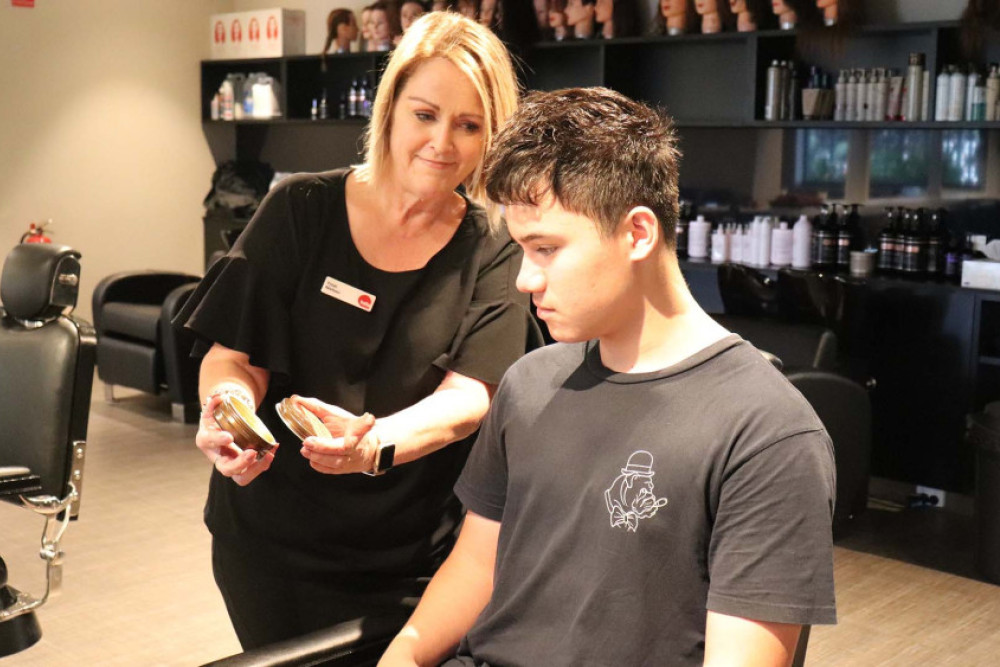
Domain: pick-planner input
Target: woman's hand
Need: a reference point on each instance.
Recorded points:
(242, 466)
(335, 419)
(352, 452)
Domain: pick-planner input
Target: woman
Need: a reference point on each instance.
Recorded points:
(300, 539)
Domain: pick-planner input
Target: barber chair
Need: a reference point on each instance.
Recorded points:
(746, 292)
(136, 345)
(356, 643)
(47, 357)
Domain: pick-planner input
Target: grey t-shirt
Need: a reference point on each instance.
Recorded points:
(632, 503)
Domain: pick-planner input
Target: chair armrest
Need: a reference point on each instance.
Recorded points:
(17, 480)
(146, 287)
(354, 643)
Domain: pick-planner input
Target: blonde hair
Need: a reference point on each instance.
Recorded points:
(475, 51)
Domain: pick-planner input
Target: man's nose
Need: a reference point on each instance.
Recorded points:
(530, 279)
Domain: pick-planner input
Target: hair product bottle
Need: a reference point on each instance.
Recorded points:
(914, 86)
(781, 245)
(956, 96)
(802, 243)
(993, 93)
(887, 239)
(941, 97)
(840, 97)
(698, 233)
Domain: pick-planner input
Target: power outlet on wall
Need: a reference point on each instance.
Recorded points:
(931, 493)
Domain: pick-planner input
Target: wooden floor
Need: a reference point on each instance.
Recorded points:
(138, 587)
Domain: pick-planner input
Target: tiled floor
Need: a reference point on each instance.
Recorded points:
(139, 591)
(138, 587)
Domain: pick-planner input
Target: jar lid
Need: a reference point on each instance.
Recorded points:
(248, 431)
(301, 421)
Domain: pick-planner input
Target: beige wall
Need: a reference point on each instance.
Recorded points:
(100, 130)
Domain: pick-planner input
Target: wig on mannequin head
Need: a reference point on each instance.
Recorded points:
(658, 26)
(727, 20)
(979, 17)
(334, 20)
(760, 14)
(817, 39)
(517, 27)
(625, 18)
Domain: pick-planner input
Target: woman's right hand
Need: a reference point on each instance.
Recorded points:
(240, 465)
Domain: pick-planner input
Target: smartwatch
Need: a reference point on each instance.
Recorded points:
(385, 452)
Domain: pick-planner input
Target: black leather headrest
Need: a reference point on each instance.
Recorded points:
(40, 281)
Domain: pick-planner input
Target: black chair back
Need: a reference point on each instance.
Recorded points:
(746, 292)
(47, 357)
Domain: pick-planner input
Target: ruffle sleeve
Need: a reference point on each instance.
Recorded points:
(245, 301)
(236, 307)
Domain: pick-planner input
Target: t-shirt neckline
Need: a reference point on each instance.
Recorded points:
(592, 359)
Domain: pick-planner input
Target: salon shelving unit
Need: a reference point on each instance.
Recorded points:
(936, 355)
(703, 81)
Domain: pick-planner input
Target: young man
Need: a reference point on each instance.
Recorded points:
(654, 492)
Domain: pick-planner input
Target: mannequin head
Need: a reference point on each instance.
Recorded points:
(384, 26)
(366, 25)
(542, 13)
(618, 18)
(829, 9)
(467, 8)
(751, 14)
(489, 13)
(715, 14)
(580, 17)
(603, 9)
(675, 17)
(409, 12)
(788, 18)
(342, 28)
(557, 18)
(441, 5)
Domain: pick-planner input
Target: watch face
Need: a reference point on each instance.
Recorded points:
(386, 454)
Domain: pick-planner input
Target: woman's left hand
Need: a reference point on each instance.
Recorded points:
(353, 452)
(334, 418)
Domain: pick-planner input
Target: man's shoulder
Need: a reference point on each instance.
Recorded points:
(549, 360)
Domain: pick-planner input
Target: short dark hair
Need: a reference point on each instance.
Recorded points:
(597, 152)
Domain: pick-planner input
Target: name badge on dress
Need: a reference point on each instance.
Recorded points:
(350, 295)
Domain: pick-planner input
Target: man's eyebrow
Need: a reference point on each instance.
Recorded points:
(533, 236)
(417, 98)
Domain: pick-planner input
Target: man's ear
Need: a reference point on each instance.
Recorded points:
(642, 230)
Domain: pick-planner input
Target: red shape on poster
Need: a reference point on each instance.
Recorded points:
(23, 3)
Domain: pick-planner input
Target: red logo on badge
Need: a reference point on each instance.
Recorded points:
(365, 301)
